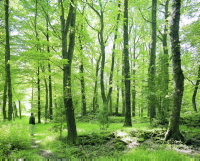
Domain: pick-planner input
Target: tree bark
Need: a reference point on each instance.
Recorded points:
(49, 70)
(152, 64)
(20, 110)
(113, 55)
(195, 91)
(39, 91)
(127, 121)
(4, 100)
(7, 61)
(95, 97)
(164, 101)
(173, 131)
(82, 80)
(67, 25)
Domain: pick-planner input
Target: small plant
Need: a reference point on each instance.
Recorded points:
(102, 119)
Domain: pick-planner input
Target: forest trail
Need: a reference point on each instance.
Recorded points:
(36, 143)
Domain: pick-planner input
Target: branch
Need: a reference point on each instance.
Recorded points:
(190, 81)
(143, 16)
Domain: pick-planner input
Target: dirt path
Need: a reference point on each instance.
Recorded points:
(36, 141)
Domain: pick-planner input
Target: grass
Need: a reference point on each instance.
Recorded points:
(47, 137)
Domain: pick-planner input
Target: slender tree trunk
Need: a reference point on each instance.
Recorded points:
(46, 100)
(133, 81)
(117, 102)
(127, 121)
(152, 64)
(38, 69)
(82, 80)
(164, 101)
(195, 91)
(39, 91)
(7, 61)
(173, 131)
(103, 56)
(95, 97)
(20, 110)
(4, 100)
(113, 55)
(50, 78)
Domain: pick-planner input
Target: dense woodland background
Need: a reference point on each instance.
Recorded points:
(98, 59)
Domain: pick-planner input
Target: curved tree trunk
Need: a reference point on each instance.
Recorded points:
(173, 131)
(195, 91)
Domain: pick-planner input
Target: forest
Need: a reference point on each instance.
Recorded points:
(103, 79)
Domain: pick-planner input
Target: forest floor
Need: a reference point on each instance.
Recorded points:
(140, 142)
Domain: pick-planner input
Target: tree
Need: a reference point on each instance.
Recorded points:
(173, 131)
(68, 25)
(152, 64)
(127, 121)
(195, 91)
(163, 86)
(7, 62)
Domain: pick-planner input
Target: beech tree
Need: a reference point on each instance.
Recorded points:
(173, 131)
(127, 121)
(152, 64)
(68, 31)
(8, 82)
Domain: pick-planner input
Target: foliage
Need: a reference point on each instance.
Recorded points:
(13, 138)
(190, 119)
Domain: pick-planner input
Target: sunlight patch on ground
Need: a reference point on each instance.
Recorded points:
(80, 130)
(131, 141)
(50, 138)
(121, 133)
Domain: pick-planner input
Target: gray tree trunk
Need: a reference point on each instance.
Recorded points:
(7, 61)
(173, 131)
(127, 121)
(152, 64)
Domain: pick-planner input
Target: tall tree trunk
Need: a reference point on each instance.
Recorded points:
(195, 91)
(39, 91)
(95, 96)
(20, 109)
(127, 121)
(164, 101)
(49, 70)
(152, 64)
(103, 56)
(133, 92)
(67, 24)
(82, 80)
(38, 69)
(50, 94)
(113, 55)
(46, 100)
(173, 131)
(4, 99)
(7, 61)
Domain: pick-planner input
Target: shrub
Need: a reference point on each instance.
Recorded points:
(13, 138)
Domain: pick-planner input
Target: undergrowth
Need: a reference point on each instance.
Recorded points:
(13, 138)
